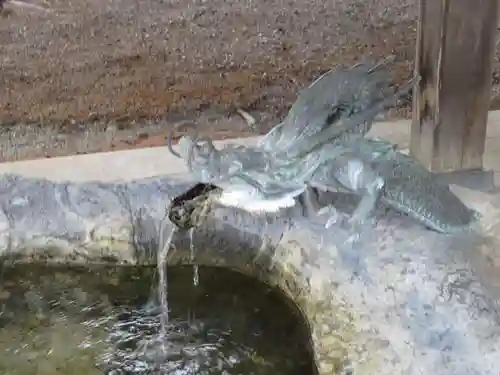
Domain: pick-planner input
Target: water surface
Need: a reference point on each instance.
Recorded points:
(95, 321)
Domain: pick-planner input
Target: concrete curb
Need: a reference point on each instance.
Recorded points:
(111, 166)
(134, 164)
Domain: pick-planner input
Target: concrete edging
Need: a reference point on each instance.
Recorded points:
(156, 161)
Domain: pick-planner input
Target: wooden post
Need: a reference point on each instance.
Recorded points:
(454, 58)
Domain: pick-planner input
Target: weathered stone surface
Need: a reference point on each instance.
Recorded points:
(402, 300)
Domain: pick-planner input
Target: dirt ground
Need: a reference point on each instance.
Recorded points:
(91, 75)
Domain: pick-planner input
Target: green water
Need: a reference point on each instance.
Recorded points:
(95, 321)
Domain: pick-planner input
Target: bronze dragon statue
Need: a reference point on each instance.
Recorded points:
(321, 145)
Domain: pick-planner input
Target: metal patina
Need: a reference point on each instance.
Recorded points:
(321, 144)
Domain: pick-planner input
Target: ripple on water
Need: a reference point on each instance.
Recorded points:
(104, 321)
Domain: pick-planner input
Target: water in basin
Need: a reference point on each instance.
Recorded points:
(100, 320)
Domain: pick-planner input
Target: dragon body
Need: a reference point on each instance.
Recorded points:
(377, 172)
(321, 144)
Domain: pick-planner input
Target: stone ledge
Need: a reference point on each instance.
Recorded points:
(403, 301)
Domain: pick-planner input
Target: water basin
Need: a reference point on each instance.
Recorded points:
(105, 320)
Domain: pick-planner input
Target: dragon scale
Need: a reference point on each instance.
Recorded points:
(408, 187)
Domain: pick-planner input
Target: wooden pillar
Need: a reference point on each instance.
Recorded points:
(454, 58)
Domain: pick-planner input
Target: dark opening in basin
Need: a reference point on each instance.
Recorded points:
(97, 320)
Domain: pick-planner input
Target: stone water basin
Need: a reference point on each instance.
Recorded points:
(104, 320)
(402, 300)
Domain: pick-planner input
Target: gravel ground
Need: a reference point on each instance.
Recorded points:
(69, 69)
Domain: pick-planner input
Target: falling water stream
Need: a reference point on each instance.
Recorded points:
(161, 345)
(195, 266)
(167, 233)
(164, 247)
